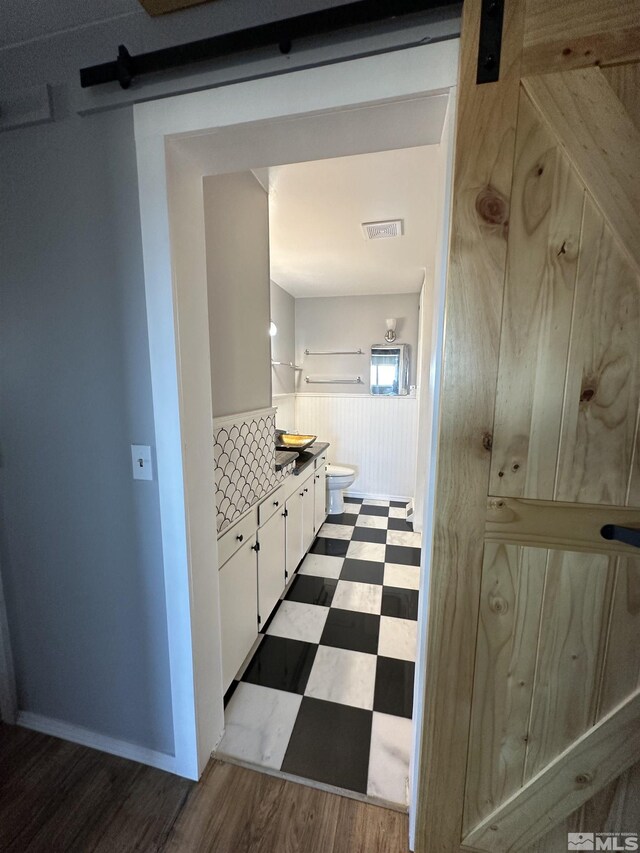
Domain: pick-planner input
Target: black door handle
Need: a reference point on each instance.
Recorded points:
(628, 535)
(240, 538)
(276, 503)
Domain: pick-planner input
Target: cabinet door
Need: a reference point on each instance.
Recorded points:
(295, 551)
(238, 609)
(271, 564)
(320, 496)
(308, 519)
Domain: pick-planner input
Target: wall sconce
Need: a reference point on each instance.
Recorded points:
(390, 334)
(273, 329)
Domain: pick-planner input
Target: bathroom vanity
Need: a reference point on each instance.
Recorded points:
(259, 553)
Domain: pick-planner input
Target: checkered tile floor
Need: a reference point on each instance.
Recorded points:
(328, 695)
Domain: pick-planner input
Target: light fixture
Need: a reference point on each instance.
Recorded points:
(273, 329)
(390, 334)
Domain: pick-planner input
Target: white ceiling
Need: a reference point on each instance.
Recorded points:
(316, 211)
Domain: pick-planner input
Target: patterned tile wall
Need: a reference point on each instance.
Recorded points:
(244, 452)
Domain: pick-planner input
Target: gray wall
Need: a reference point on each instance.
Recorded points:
(350, 323)
(81, 556)
(236, 216)
(283, 345)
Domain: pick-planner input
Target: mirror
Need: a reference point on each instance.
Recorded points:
(390, 369)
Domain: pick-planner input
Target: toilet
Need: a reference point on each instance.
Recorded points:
(339, 477)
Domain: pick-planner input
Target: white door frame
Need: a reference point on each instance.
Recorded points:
(170, 190)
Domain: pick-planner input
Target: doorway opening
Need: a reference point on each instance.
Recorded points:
(325, 692)
(211, 361)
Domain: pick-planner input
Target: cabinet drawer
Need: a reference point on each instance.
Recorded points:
(320, 461)
(271, 505)
(233, 538)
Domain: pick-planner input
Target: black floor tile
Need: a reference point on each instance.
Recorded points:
(362, 571)
(330, 743)
(369, 534)
(398, 503)
(230, 692)
(354, 500)
(312, 590)
(348, 518)
(369, 509)
(403, 555)
(401, 603)
(330, 547)
(394, 687)
(282, 664)
(400, 524)
(349, 629)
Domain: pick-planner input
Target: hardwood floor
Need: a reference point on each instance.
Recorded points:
(56, 796)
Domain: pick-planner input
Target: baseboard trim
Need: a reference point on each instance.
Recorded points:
(95, 740)
(373, 497)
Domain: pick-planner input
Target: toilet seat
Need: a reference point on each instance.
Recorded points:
(339, 471)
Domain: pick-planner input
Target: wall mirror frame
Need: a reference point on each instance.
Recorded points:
(390, 370)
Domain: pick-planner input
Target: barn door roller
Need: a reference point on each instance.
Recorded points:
(490, 42)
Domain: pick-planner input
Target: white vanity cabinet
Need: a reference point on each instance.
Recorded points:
(260, 553)
(295, 551)
(308, 513)
(238, 606)
(271, 553)
(320, 492)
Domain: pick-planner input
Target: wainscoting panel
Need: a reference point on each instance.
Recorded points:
(286, 410)
(376, 434)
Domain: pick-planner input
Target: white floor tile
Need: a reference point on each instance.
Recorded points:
(397, 512)
(406, 577)
(404, 537)
(398, 638)
(389, 758)
(344, 676)
(363, 597)
(354, 509)
(321, 566)
(299, 621)
(367, 551)
(377, 522)
(372, 502)
(258, 724)
(336, 531)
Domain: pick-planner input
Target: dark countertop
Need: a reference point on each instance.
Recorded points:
(284, 458)
(306, 457)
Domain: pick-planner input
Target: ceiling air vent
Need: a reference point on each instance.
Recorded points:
(382, 230)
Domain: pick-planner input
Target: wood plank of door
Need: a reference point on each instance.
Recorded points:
(563, 785)
(601, 141)
(579, 33)
(486, 126)
(557, 524)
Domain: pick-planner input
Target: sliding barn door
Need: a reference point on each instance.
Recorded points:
(533, 674)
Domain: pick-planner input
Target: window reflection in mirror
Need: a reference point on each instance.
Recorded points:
(390, 369)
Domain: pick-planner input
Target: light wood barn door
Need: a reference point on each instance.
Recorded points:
(533, 674)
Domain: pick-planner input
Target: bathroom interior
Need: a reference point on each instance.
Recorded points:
(320, 290)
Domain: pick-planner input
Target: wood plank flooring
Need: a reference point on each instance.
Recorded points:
(61, 798)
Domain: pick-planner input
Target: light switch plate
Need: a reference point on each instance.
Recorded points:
(141, 462)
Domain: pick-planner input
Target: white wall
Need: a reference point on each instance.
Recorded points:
(375, 434)
(236, 216)
(350, 323)
(283, 344)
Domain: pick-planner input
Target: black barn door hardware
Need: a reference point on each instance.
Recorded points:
(126, 68)
(621, 534)
(490, 42)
